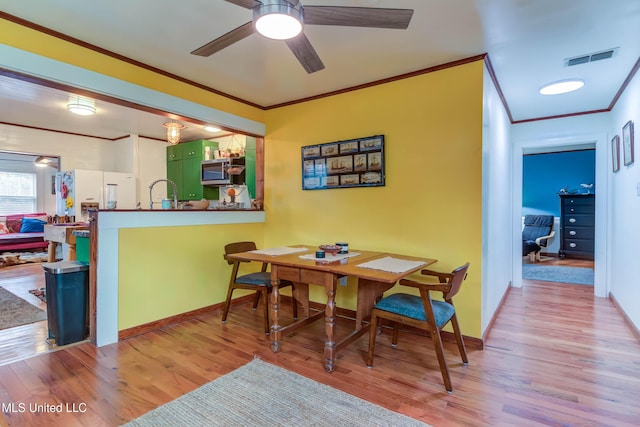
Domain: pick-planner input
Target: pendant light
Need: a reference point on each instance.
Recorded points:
(173, 132)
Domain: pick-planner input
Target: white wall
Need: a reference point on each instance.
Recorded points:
(496, 203)
(624, 230)
(145, 158)
(587, 130)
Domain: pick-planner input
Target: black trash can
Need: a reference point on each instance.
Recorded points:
(67, 293)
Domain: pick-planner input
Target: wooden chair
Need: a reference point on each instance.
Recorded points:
(424, 313)
(260, 282)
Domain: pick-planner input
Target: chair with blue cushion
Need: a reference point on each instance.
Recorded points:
(537, 231)
(260, 282)
(424, 313)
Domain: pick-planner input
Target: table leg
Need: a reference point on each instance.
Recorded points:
(51, 251)
(330, 323)
(275, 306)
(300, 293)
(72, 252)
(368, 293)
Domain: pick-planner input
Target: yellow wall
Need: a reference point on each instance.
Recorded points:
(166, 271)
(432, 201)
(48, 46)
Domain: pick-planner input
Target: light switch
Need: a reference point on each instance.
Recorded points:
(343, 281)
(638, 189)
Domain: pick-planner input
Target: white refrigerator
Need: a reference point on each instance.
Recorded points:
(79, 190)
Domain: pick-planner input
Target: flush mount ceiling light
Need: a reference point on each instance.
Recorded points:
(81, 105)
(210, 128)
(173, 132)
(278, 20)
(561, 86)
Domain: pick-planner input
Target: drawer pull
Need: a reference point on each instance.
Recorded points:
(572, 245)
(573, 233)
(572, 210)
(572, 220)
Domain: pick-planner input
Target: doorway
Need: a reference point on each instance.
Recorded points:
(597, 142)
(558, 185)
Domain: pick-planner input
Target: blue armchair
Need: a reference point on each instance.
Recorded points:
(537, 231)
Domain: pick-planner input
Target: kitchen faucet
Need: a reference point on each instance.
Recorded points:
(175, 192)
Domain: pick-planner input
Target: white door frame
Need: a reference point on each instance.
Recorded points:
(599, 141)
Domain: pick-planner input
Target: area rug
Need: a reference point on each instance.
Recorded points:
(14, 311)
(40, 293)
(555, 273)
(261, 394)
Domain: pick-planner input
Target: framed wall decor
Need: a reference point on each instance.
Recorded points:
(627, 143)
(342, 164)
(615, 153)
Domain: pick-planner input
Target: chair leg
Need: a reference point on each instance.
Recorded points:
(459, 339)
(265, 303)
(437, 343)
(255, 302)
(394, 337)
(373, 329)
(227, 304)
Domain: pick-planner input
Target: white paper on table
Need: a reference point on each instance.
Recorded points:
(328, 257)
(282, 250)
(392, 265)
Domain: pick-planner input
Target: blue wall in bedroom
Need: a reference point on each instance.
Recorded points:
(543, 175)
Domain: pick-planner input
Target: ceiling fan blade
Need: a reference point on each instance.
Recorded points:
(249, 4)
(358, 16)
(306, 54)
(225, 40)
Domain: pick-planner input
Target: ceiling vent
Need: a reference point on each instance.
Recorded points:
(598, 56)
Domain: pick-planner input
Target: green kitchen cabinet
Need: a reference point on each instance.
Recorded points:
(250, 162)
(183, 168)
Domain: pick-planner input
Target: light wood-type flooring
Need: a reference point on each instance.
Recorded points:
(556, 356)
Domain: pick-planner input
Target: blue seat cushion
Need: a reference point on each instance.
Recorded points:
(259, 278)
(411, 306)
(529, 246)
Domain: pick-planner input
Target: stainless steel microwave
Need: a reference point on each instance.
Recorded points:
(224, 171)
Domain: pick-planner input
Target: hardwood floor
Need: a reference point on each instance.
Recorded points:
(556, 356)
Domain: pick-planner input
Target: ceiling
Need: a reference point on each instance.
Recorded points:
(527, 41)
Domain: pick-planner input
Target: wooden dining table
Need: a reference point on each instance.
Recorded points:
(298, 264)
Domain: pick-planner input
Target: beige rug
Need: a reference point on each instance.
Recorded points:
(261, 394)
(14, 311)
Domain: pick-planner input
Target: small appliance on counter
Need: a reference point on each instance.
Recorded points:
(234, 197)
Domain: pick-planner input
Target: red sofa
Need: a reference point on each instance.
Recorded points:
(16, 236)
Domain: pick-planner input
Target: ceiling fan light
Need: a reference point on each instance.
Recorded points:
(279, 21)
(561, 86)
(81, 105)
(173, 132)
(43, 162)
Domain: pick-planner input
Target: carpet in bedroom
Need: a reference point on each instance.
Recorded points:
(556, 273)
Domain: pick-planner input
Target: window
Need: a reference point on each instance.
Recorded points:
(17, 193)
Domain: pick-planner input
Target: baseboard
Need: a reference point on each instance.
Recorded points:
(487, 332)
(626, 318)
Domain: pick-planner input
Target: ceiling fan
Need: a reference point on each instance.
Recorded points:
(294, 12)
